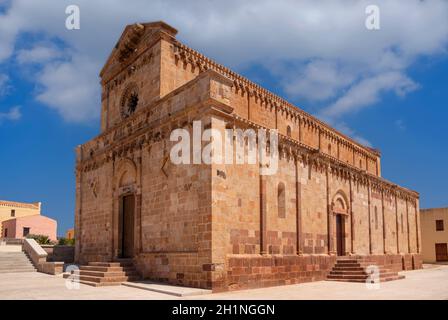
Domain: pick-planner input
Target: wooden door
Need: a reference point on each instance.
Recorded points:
(340, 247)
(441, 252)
(127, 226)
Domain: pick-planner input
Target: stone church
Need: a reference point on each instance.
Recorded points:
(226, 226)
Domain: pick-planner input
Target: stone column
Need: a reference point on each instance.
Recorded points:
(396, 223)
(78, 216)
(369, 213)
(138, 199)
(352, 223)
(298, 210)
(407, 227)
(138, 210)
(248, 105)
(116, 203)
(384, 222)
(263, 233)
(417, 224)
(329, 215)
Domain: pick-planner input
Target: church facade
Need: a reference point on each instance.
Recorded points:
(226, 226)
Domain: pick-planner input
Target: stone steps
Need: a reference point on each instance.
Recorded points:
(354, 270)
(129, 273)
(111, 264)
(383, 279)
(105, 273)
(99, 284)
(16, 270)
(105, 269)
(118, 279)
(11, 262)
(337, 272)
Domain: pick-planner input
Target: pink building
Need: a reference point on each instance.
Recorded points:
(20, 227)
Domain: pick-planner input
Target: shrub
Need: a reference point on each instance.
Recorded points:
(40, 238)
(66, 242)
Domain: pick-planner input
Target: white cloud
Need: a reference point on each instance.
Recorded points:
(38, 54)
(13, 114)
(367, 92)
(4, 86)
(334, 57)
(71, 88)
(320, 80)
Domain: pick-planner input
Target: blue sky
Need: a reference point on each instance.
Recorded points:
(387, 88)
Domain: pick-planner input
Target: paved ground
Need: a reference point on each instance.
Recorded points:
(10, 248)
(429, 283)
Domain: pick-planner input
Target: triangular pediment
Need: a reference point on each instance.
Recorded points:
(133, 40)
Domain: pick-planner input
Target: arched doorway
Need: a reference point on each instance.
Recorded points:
(341, 213)
(126, 196)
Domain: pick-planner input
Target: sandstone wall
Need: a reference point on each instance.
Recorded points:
(222, 226)
(180, 64)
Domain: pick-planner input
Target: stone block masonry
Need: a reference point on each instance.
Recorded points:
(226, 226)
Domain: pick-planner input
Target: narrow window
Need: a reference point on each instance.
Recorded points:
(402, 223)
(26, 231)
(439, 225)
(360, 164)
(288, 131)
(6, 232)
(13, 213)
(281, 200)
(376, 217)
(329, 149)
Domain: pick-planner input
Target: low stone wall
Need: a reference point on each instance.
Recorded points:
(247, 272)
(183, 269)
(255, 271)
(34, 252)
(60, 253)
(395, 262)
(51, 267)
(39, 256)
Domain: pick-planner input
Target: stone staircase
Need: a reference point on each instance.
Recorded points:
(106, 273)
(11, 262)
(354, 270)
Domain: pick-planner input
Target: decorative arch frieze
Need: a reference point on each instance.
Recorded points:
(125, 176)
(340, 203)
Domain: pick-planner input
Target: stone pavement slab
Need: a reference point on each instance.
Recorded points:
(424, 284)
(10, 248)
(428, 283)
(167, 289)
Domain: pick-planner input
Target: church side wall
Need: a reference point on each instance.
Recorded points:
(181, 65)
(93, 216)
(176, 226)
(238, 259)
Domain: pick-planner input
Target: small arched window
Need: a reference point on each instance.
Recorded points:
(129, 100)
(402, 223)
(376, 217)
(360, 164)
(288, 131)
(329, 149)
(281, 200)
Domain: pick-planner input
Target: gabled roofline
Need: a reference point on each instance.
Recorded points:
(151, 25)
